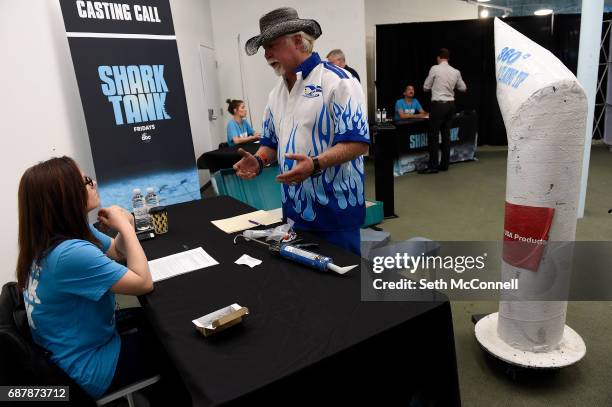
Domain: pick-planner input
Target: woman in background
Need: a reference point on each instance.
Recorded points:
(69, 276)
(238, 129)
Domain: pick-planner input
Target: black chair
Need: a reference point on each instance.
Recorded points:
(22, 362)
(223, 145)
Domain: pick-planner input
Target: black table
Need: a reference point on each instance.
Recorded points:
(224, 157)
(390, 142)
(309, 337)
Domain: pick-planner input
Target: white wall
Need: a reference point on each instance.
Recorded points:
(41, 113)
(402, 11)
(342, 23)
(193, 26)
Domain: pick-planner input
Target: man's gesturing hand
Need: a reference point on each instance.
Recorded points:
(301, 170)
(247, 167)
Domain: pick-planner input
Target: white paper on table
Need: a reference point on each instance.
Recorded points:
(248, 261)
(238, 223)
(249, 220)
(180, 263)
(271, 216)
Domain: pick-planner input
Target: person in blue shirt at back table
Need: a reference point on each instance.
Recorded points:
(69, 275)
(409, 107)
(238, 129)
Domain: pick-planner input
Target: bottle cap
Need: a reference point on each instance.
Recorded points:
(150, 189)
(136, 191)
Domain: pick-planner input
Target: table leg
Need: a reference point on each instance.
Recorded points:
(383, 171)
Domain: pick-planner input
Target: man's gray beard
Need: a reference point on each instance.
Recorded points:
(279, 71)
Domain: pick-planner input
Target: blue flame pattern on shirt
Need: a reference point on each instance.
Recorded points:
(347, 121)
(268, 133)
(343, 183)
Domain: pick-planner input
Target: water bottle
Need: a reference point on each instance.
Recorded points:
(151, 199)
(384, 115)
(141, 213)
(378, 116)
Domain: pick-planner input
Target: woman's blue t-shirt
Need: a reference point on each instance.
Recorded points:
(238, 130)
(71, 311)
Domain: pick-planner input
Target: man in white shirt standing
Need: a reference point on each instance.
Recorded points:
(442, 81)
(315, 125)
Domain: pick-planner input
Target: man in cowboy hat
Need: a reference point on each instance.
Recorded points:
(316, 127)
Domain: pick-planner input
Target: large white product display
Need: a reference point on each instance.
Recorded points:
(544, 110)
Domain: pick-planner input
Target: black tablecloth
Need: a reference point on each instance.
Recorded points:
(308, 338)
(224, 157)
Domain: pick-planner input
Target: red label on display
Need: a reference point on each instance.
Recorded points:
(526, 231)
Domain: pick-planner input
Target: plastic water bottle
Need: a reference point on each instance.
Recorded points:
(378, 116)
(141, 213)
(151, 199)
(384, 115)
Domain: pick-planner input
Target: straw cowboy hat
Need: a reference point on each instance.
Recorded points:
(277, 23)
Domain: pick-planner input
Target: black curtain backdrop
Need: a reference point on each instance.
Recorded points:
(405, 52)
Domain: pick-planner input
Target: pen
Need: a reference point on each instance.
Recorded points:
(255, 223)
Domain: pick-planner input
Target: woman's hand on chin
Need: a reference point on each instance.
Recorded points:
(116, 218)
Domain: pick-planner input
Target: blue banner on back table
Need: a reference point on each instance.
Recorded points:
(411, 147)
(129, 75)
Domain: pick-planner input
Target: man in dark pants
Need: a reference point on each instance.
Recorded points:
(442, 81)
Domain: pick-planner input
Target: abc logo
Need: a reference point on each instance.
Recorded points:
(145, 137)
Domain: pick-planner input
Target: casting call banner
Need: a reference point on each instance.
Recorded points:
(129, 76)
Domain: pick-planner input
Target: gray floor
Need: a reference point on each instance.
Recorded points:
(469, 201)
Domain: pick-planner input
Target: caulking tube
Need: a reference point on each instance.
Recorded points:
(544, 109)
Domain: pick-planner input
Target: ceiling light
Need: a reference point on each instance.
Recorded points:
(483, 1)
(543, 12)
(484, 13)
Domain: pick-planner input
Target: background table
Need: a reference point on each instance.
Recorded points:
(391, 141)
(224, 157)
(309, 337)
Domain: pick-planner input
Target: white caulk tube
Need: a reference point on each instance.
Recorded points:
(311, 259)
(544, 109)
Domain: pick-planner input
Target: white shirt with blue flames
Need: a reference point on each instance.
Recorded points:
(326, 106)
